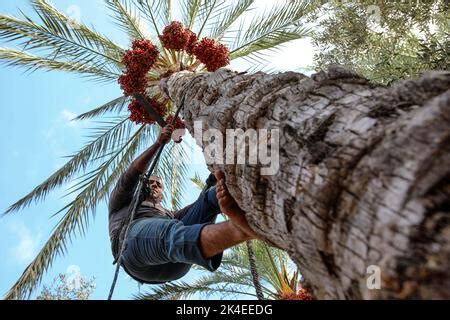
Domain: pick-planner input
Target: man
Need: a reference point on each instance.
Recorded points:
(162, 245)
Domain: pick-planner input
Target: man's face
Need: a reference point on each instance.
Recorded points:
(157, 189)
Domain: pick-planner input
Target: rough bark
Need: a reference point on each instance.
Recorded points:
(364, 174)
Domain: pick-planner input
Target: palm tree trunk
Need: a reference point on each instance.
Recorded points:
(364, 178)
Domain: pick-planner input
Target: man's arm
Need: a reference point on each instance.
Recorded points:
(124, 189)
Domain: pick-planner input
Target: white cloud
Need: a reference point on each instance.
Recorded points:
(68, 116)
(27, 245)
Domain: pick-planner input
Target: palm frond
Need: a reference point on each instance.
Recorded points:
(197, 181)
(103, 140)
(77, 216)
(267, 31)
(208, 12)
(87, 36)
(224, 284)
(233, 12)
(127, 18)
(157, 12)
(189, 12)
(56, 39)
(115, 105)
(269, 260)
(14, 58)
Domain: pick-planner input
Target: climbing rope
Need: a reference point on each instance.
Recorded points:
(138, 197)
(254, 270)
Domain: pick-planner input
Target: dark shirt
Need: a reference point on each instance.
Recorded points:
(119, 203)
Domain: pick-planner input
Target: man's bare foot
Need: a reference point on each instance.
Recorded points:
(230, 208)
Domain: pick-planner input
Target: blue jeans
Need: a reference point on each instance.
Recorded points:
(161, 249)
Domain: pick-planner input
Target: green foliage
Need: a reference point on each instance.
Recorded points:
(394, 40)
(280, 25)
(126, 17)
(197, 181)
(60, 44)
(234, 277)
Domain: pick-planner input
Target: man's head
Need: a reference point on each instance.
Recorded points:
(157, 188)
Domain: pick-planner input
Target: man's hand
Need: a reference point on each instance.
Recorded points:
(166, 134)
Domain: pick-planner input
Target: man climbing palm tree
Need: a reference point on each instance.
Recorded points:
(162, 245)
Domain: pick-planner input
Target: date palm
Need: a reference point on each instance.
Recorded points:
(55, 42)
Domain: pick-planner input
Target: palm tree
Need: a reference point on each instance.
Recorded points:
(235, 278)
(357, 173)
(55, 42)
(357, 181)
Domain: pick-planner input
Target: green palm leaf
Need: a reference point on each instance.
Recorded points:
(157, 12)
(216, 283)
(233, 13)
(103, 141)
(79, 32)
(11, 57)
(197, 181)
(127, 18)
(232, 278)
(115, 105)
(267, 31)
(173, 169)
(62, 43)
(189, 12)
(208, 13)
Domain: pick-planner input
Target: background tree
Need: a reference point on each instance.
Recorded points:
(383, 40)
(65, 288)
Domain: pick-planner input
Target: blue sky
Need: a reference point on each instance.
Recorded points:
(37, 133)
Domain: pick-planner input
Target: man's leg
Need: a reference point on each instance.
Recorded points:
(205, 209)
(218, 237)
(215, 238)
